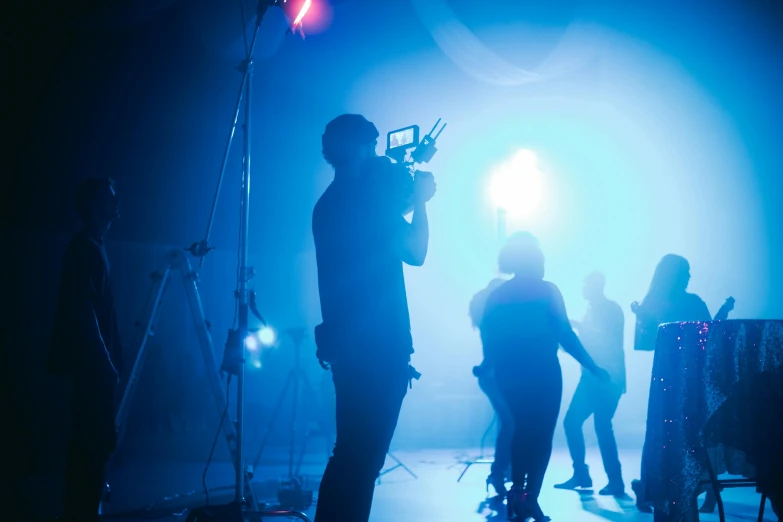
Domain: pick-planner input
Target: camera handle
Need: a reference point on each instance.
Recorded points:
(422, 153)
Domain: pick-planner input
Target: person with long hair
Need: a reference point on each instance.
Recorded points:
(524, 323)
(667, 301)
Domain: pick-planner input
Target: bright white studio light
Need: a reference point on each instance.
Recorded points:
(517, 185)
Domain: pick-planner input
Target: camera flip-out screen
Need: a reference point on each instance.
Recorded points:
(404, 138)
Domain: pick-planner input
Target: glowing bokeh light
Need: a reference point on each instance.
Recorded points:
(517, 185)
(251, 342)
(267, 336)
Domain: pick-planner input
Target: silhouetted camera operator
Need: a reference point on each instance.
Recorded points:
(361, 243)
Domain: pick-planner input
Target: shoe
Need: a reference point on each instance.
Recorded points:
(533, 510)
(498, 484)
(638, 491)
(614, 489)
(515, 504)
(580, 479)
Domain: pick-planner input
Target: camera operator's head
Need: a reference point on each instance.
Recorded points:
(522, 257)
(348, 141)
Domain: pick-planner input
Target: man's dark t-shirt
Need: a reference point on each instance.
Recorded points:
(357, 230)
(85, 314)
(601, 334)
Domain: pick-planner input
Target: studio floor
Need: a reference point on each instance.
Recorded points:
(168, 489)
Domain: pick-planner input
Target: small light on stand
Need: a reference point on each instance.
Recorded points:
(267, 336)
(296, 10)
(251, 342)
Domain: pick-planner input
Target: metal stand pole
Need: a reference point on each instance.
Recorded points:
(502, 216)
(480, 459)
(244, 295)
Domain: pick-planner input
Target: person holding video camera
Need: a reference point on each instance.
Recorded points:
(361, 242)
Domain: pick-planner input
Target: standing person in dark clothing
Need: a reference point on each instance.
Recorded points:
(601, 332)
(501, 464)
(361, 243)
(667, 300)
(85, 349)
(524, 322)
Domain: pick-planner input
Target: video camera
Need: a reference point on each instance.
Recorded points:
(400, 141)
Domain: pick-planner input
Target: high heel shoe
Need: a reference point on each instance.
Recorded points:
(498, 484)
(522, 506)
(533, 510)
(515, 504)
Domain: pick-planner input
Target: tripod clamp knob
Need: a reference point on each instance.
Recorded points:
(200, 248)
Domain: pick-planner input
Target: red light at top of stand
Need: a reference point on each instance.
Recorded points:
(314, 14)
(295, 11)
(302, 12)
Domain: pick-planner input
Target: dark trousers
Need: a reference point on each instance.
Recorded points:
(93, 438)
(502, 462)
(599, 400)
(368, 401)
(534, 402)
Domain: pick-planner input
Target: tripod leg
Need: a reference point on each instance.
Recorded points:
(190, 280)
(467, 467)
(403, 466)
(147, 326)
(486, 434)
(271, 424)
(309, 395)
(293, 430)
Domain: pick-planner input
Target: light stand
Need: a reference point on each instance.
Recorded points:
(291, 493)
(234, 357)
(502, 217)
(481, 459)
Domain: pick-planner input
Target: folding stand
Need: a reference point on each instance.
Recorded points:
(398, 465)
(481, 459)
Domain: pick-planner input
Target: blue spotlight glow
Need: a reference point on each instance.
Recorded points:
(251, 342)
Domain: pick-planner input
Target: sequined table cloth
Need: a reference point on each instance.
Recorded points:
(716, 386)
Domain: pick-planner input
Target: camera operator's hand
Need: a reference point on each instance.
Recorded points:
(424, 186)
